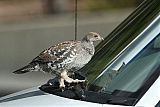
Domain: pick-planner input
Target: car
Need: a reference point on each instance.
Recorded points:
(125, 70)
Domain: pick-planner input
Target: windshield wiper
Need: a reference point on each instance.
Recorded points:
(121, 97)
(121, 100)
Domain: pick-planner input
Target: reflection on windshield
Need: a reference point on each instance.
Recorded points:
(137, 71)
(135, 64)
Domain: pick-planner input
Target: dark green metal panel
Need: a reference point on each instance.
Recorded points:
(119, 38)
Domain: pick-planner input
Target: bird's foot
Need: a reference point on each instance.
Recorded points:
(76, 80)
(62, 88)
(70, 80)
(61, 84)
(65, 77)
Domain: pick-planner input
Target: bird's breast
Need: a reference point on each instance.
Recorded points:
(81, 59)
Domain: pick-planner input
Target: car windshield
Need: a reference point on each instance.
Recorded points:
(134, 65)
(123, 63)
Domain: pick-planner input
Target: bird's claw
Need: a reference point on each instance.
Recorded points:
(77, 80)
(62, 88)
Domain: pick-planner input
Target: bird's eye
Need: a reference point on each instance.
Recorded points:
(95, 36)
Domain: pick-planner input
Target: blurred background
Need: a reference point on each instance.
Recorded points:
(27, 27)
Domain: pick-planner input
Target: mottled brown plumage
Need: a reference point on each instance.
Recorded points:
(64, 57)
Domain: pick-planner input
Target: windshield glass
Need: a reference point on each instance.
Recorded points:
(134, 65)
(123, 63)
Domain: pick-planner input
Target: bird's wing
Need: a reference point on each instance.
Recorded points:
(64, 52)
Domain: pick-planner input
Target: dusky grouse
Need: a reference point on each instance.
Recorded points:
(63, 58)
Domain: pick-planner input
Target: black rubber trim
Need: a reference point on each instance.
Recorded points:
(158, 104)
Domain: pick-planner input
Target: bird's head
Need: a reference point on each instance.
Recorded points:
(92, 37)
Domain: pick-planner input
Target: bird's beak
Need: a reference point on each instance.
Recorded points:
(102, 38)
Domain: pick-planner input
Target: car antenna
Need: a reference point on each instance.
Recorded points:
(75, 21)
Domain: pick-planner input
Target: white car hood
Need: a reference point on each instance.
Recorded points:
(36, 98)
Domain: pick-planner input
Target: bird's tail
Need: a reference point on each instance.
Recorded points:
(30, 67)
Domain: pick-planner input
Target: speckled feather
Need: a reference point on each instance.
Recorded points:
(57, 53)
(68, 55)
(59, 56)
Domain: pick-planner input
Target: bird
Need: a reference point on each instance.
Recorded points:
(64, 57)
